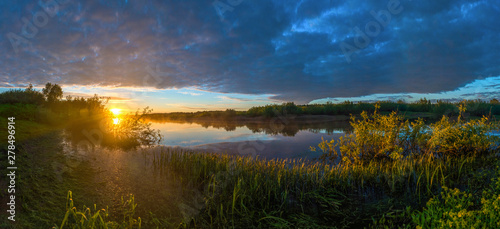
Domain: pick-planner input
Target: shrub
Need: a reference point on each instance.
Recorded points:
(461, 137)
(132, 131)
(391, 137)
(376, 136)
(444, 108)
(423, 105)
(102, 128)
(459, 209)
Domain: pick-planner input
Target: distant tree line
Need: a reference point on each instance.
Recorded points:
(438, 109)
(227, 114)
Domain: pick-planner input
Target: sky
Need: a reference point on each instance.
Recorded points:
(193, 55)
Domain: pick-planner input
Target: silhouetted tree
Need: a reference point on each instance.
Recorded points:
(52, 92)
(30, 88)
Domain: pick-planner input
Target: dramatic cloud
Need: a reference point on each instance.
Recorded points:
(290, 49)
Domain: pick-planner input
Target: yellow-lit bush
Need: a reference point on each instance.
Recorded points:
(378, 136)
(462, 138)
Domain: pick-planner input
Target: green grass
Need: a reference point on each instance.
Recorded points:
(39, 191)
(88, 218)
(246, 192)
(25, 129)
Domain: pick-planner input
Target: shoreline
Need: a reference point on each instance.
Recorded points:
(299, 119)
(256, 120)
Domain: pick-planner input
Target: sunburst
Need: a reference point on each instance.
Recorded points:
(116, 111)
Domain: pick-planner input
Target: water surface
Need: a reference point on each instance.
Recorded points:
(265, 139)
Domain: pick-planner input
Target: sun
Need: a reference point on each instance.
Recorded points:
(116, 111)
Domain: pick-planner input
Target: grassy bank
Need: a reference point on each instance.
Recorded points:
(246, 192)
(40, 189)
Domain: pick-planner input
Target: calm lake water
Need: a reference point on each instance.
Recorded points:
(116, 172)
(264, 139)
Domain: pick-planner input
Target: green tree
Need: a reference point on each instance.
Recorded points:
(30, 88)
(52, 92)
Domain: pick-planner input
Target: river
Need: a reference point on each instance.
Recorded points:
(269, 139)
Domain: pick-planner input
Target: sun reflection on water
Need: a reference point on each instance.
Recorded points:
(116, 112)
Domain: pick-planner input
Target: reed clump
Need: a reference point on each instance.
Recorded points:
(88, 218)
(245, 191)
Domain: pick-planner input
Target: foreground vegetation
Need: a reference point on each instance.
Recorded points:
(388, 172)
(45, 173)
(87, 218)
(392, 172)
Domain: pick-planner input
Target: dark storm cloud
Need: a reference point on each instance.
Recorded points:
(287, 48)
